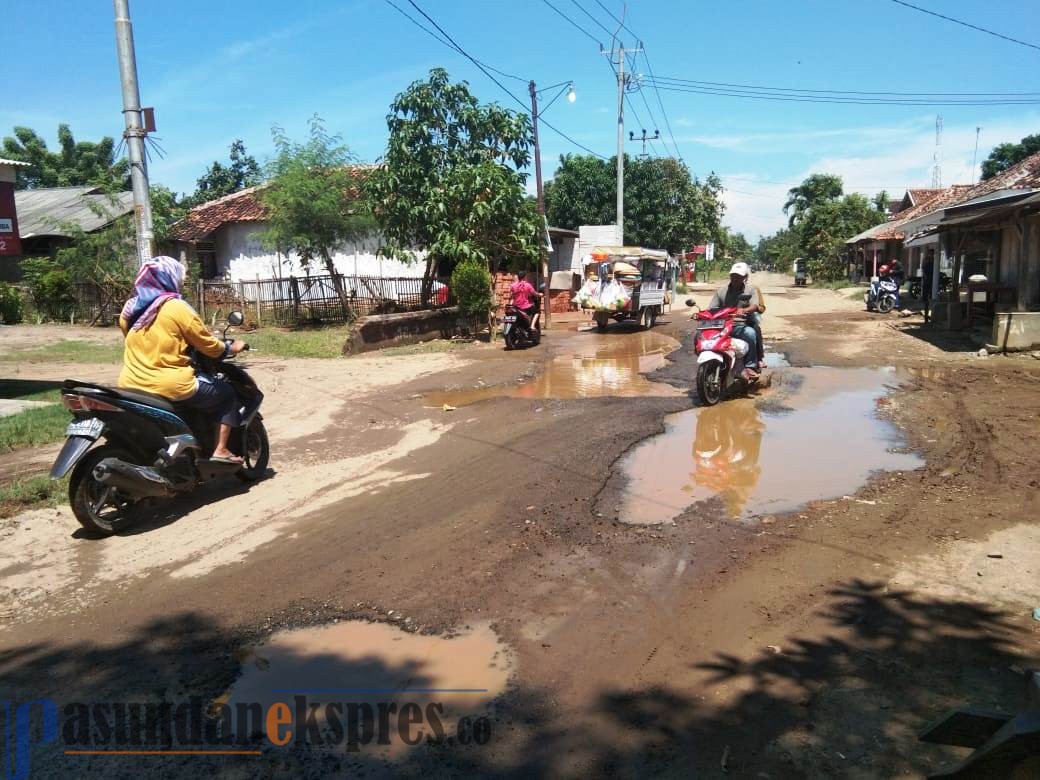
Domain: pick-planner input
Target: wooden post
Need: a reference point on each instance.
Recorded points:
(202, 300)
(258, 300)
(294, 287)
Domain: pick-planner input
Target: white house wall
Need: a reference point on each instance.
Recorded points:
(566, 256)
(242, 257)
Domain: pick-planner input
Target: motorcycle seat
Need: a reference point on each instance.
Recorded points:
(136, 396)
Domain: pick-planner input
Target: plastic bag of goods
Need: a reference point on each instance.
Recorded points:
(587, 294)
(613, 297)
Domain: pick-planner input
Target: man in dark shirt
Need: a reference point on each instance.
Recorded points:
(729, 296)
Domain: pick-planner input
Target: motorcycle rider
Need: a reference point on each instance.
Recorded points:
(523, 295)
(159, 326)
(729, 296)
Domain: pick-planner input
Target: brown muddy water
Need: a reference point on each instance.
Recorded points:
(592, 365)
(360, 662)
(824, 440)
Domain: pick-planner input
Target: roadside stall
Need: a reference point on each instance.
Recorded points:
(626, 283)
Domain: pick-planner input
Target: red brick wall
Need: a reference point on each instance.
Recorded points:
(560, 301)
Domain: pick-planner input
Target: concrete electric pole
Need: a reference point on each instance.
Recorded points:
(622, 84)
(135, 132)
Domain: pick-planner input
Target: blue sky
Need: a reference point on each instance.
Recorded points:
(216, 71)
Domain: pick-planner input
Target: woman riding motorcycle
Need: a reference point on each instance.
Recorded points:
(160, 326)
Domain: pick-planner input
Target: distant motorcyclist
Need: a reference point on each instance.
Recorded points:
(729, 296)
(523, 295)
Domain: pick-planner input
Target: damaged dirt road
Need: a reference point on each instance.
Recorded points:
(491, 556)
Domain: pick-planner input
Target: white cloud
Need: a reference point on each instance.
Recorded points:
(868, 159)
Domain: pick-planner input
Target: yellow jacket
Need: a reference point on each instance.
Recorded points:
(155, 358)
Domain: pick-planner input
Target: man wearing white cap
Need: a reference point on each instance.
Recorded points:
(729, 296)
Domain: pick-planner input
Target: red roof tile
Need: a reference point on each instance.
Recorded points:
(242, 206)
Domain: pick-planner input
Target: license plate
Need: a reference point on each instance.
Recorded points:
(509, 319)
(712, 325)
(91, 428)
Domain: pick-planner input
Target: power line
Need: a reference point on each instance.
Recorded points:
(593, 18)
(436, 37)
(650, 68)
(838, 92)
(575, 24)
(501, 86)
(792, 98)
(966, 24)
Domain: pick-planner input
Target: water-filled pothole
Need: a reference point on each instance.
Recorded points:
(372, 668)
(593, 365)
(823, 442)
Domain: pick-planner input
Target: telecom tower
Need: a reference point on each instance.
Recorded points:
(937, 170)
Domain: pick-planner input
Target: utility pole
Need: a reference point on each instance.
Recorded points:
(621, 145)
(644, 138)
(937, 169)
(975, 159)
(622, 83)
(135, 132)
(543, 251)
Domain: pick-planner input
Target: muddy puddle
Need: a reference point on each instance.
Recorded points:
(823, 440)
(373, 667)
(592, 365)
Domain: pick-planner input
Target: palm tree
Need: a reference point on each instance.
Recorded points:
(818, 188)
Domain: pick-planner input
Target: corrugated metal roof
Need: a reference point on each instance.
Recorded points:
(45, 212)
(13, 162)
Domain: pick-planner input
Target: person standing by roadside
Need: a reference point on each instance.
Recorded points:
(927, 269)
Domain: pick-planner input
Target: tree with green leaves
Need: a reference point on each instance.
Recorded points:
(817, 189)
(1005, 155)
(881, 202)
(313, 200)
(827, 226)
(242, 171)
(77, 163)
(452, 180)
(779, 251)
(665, 207)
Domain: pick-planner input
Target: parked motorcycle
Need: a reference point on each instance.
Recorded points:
(152, 449)
(718, 352)
(915, 285)
(520, 329)
(882, 295)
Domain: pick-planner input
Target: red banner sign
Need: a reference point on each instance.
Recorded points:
(10, 244)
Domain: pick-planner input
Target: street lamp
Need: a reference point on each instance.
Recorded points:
(568, 87)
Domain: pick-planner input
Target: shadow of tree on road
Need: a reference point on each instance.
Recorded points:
(849, 702)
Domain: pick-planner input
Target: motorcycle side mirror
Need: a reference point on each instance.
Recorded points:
(236, 318)
(691, 303)
(745, 299)
(541, 287)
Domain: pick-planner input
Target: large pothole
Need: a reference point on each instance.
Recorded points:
(373, 687)
(823, 441)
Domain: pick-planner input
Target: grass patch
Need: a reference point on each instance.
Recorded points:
(311, 343)
(72, 351)
(836, 284)
(33, 427)
(429, 347)
(31, 493)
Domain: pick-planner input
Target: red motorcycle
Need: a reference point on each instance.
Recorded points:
(718, 353)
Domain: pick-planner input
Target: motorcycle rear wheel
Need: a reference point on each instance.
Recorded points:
(512, 342)
(101, 510)
(709, 383)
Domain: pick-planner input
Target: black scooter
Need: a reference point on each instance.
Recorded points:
(520, 329)
(152, 448)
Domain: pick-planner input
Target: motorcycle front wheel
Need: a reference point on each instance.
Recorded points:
(99, 508)
(886, 304)
(709, 383)
(256, 452)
